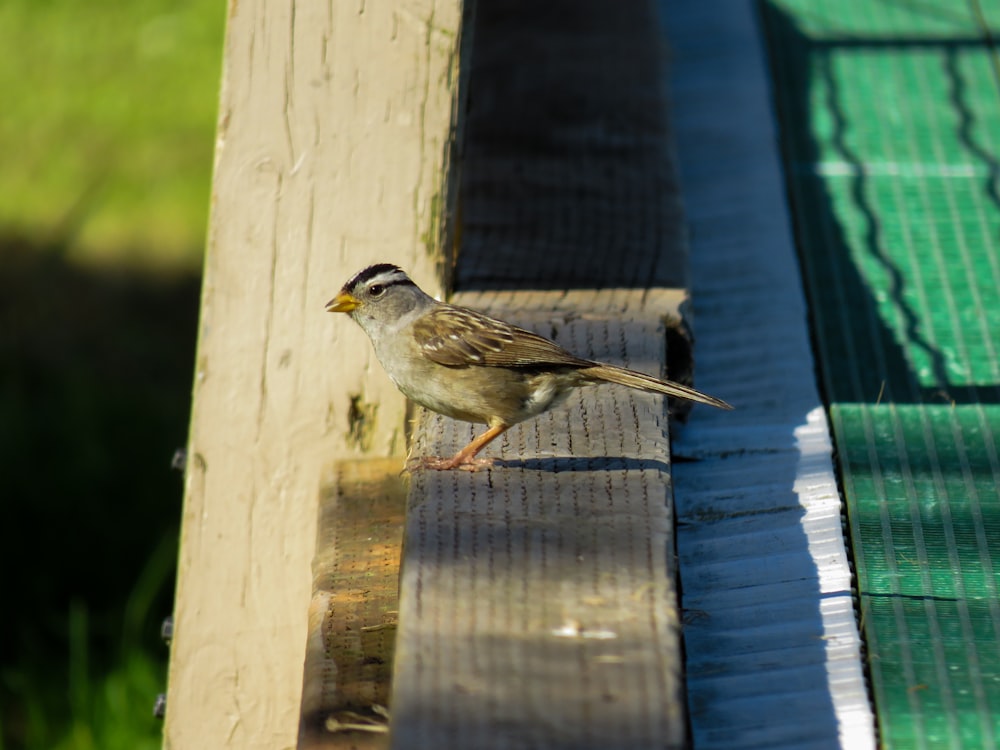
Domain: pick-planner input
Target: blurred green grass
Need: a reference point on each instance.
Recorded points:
(107, 133)
(108, 122)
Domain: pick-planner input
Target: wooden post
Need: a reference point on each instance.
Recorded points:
(335, 131)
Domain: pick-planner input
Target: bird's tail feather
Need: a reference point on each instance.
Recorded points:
(643, 382)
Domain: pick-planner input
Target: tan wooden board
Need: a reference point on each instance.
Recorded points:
(335, 132)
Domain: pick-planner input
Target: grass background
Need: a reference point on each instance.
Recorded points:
(106, 137)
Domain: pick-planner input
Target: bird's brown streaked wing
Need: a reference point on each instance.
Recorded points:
(459, 337)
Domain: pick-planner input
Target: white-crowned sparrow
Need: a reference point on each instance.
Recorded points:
(465, 365)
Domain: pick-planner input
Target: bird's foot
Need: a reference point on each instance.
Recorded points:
(445, 464)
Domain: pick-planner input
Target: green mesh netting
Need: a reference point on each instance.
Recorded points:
(890, 115)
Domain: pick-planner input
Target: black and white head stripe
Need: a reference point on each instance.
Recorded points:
(387, 275)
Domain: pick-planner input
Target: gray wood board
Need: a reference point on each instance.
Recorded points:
(335, 124)
(567, 176)
(774, 656)
(538, 605)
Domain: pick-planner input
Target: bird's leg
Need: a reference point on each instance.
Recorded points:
(466, 458)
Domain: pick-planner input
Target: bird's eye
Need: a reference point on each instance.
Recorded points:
(376, 290)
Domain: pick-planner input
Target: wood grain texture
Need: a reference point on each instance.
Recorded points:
(567, 177)
(334, 132)
(774, 653)
(537, 603)
(538, 606)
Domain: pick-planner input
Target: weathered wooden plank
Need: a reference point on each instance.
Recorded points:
(334, 133)
(538, 606)
(537, 602)
(774, 654)
(568, 178)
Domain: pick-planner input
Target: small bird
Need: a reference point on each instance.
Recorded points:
(471, 367)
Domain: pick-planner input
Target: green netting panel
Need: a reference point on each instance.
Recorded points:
(891, 126)
(924, 499)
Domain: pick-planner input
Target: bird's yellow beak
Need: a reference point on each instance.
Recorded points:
(343, 302)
